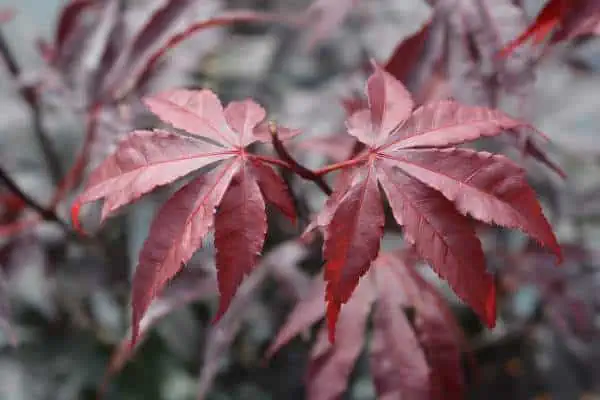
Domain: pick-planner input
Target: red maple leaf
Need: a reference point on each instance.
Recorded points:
(561, 20)
(419, 360)
(432, 187)
(238, 187)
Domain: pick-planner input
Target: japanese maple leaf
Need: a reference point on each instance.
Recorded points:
(418, 361)
(432, 187)
(238, 187)
(561, 20)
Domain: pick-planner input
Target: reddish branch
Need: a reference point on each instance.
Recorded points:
(300, 170)
(29, 95)
(46, 213)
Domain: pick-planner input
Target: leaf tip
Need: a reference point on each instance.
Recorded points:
(333, 311)
(75, 211)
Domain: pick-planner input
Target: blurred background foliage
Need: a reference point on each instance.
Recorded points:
(67, 301)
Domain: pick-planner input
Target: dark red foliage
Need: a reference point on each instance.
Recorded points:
(419, 361)
(147, 159)
(560, 20)
(431, 187)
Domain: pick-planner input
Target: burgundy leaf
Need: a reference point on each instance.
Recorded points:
(443, 237)
(439, 334)
(352, 242)
(274, 190)
(176, 232)
(397, 361)
(407, 54)
(429, 185)
(331, 363)
(342, 184)
(143, 161)
(240, 229)
(489, 187)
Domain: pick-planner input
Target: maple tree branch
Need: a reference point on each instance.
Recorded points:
(45, 213)
(29, 95)
(300, 170)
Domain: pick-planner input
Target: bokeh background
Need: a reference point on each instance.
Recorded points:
(66, 303)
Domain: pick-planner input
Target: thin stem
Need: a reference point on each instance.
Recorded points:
(45, 213)
(340, 165)
(29, 95)
(301, 170)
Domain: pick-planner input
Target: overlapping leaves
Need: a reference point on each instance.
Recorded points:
(418, 359)
(432, 188)
(239, 187)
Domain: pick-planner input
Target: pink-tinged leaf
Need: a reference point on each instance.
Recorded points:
(133, 77)
(143, 161)
(197, 112)
(390, 104)
(443, 237)
(443, 355)
(240, 229)
(489, 187)
(274, 190)
(439, 334)
(306, 313)
(68, 20)
(330, 364)
(447, 123)
(243, 117)
(407, 54)
(397, 361)
(6, 15)
(176, 233)
(547, 20)
(352, 242)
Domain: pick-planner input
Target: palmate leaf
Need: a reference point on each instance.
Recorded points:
(415, 362)
(230, 198)
(431, 187)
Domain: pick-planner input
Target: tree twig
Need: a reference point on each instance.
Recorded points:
(45, 213)
(301, 170)
(29, 95)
